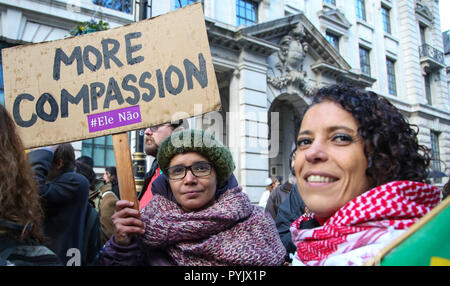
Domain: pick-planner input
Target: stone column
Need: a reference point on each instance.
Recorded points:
(248, 126)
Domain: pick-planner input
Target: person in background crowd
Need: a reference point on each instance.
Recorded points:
(86, 160)
(279, 180)
(108, 199)
(271, 184)
(88, 172)
(362, 175)
(110, 177)
(154, 136)
(21, 214)
(64, 195)
(280, 193)
(289, 211)
(85, 166)
(207, 223)
(92, 232)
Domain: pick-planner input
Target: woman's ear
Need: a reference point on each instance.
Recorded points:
(59, 164)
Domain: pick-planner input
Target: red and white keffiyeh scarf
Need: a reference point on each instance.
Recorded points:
(365, 225)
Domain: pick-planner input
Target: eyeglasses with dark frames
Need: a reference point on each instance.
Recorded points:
(156, 127)
(198, 169)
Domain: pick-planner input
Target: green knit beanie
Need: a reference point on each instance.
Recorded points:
(199, 141)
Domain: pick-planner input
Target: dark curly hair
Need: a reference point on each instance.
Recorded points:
(391, 144)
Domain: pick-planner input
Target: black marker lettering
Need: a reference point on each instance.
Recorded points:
(112, 87)
(133, 89)
(192, 70)
(96, 94)
(151, 89)
(44, 98)
(66, 97)
(111, 54)
(131, 49)
(60, 56)
(87, 62)
(159, 78)
(16, 111)
(168, 79)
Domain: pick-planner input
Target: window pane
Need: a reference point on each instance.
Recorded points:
(422, 35)
(109, 140)
(360, 10)
(99, 156)
(436, 164)
(99, 140)
(242, 12)
(246, 12)
(386, 20)
(364, 59)
(390, 66)
(333, 40)
(428, 88)
(86, 148)
(110, 159)
(100, 149)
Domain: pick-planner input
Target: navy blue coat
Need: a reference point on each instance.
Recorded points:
(290, 210)
(64, 201)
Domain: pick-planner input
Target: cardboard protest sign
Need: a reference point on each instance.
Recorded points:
(424, 243)
(113, 81)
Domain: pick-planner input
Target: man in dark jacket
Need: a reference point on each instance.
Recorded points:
(64, 196)
(290, 210)
(154, 136)
(276, 197)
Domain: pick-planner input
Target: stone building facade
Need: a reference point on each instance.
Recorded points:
(270, 54)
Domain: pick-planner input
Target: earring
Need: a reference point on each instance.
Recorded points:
(370, 164)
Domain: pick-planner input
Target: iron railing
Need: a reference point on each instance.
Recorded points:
(428, 51)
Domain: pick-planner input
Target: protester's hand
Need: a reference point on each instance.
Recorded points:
(127, 222)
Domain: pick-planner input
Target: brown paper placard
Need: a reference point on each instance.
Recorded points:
(122, 79)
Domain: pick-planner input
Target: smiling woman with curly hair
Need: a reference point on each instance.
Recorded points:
(20, 209)
(391, 143)
(362, 175)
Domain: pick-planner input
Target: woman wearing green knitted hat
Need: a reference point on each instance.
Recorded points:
(198, 216)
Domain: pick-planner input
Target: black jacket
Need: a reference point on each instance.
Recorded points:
(148, 177)
(290, 210)
(64, 201)
(276, 197)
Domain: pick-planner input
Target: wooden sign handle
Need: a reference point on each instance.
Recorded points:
(124, 166)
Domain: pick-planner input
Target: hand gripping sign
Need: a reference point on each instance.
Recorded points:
(111, 82)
